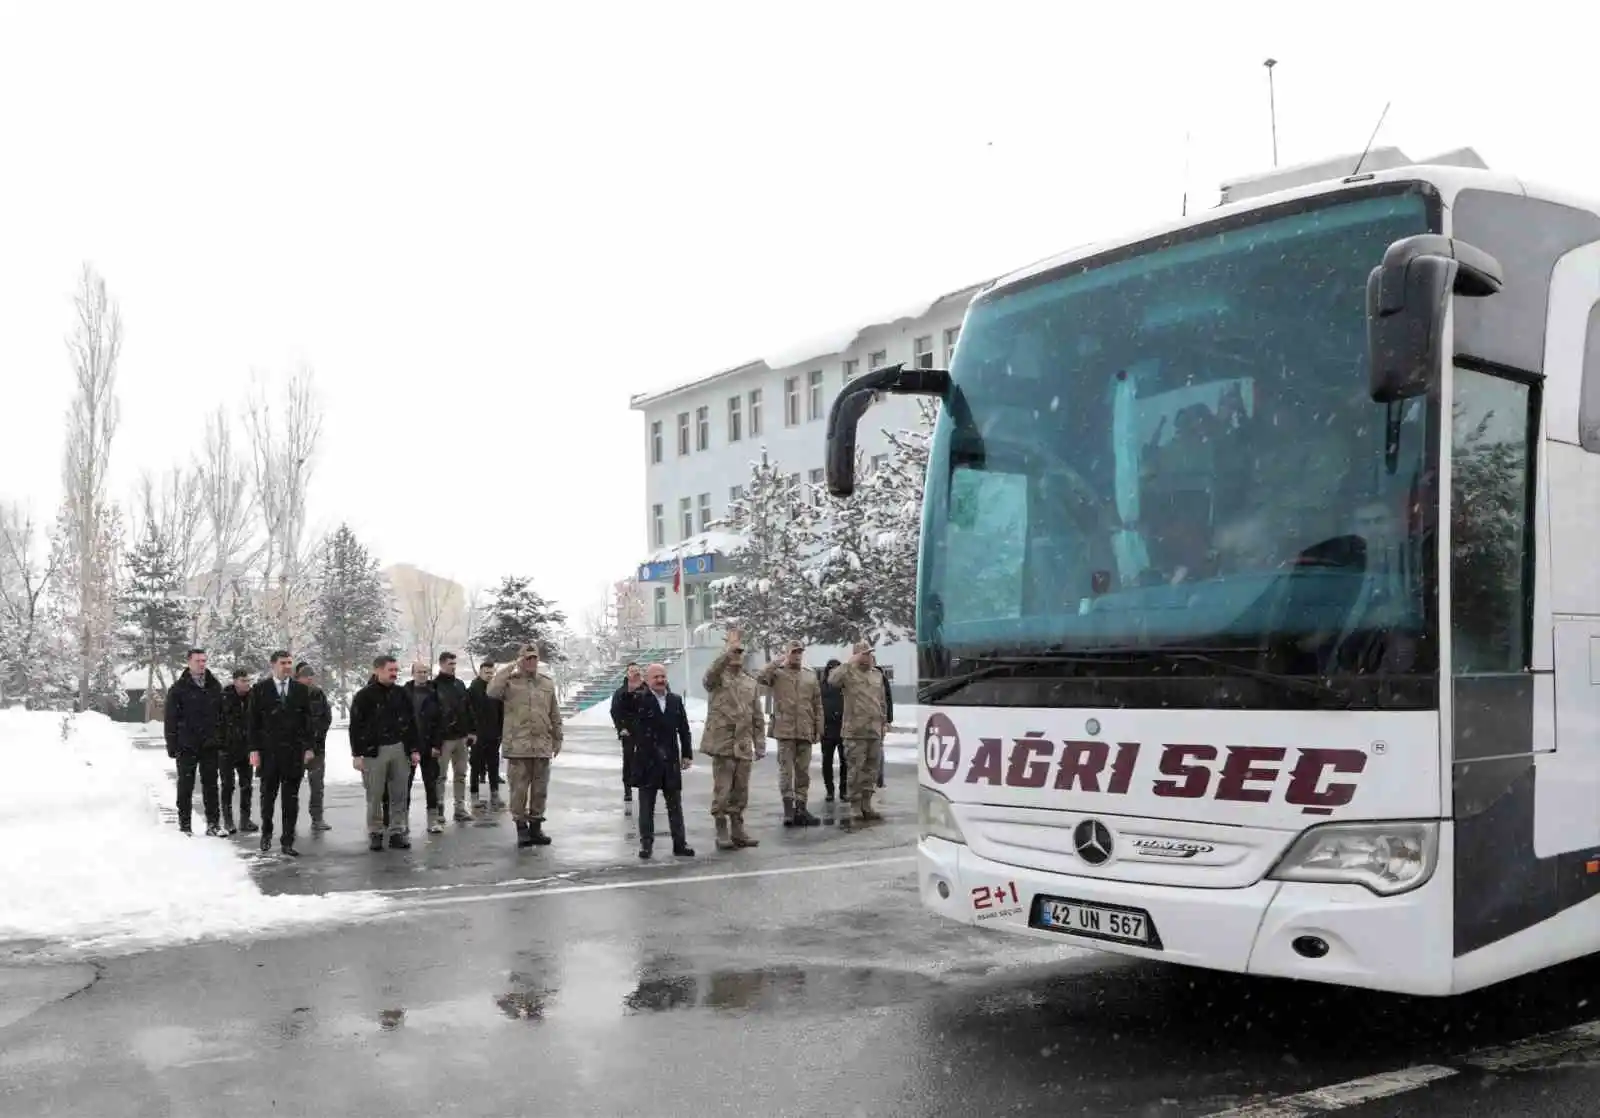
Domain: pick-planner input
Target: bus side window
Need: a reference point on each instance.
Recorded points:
(1491, 528)
(1589, 393)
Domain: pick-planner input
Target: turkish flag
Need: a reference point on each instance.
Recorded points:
(677, 578)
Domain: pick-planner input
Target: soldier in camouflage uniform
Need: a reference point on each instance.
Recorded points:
(734, 737)
(531, 736)
(866, 720)
(797, 724)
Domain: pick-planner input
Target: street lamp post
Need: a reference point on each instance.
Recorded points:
(1272, 103)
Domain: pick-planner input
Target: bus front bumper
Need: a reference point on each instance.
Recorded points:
(1400, 944)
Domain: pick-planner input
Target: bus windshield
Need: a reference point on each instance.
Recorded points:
(1176, 452)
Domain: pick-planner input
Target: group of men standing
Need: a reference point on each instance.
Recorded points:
(653, 726)
(275, 728)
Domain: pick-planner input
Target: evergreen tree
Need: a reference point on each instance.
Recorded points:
(243, 638)
(155, 612)
(768, 596)
(892, 495)
(518, 615)
(352, 615)
(846, 570)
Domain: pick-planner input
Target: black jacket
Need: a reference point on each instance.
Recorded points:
(235, 722)
(623, 714)
(455, 708)
(194, 715)
(426, 709)
(286, 725)
(832, 709)
(487, 713)
(382, 715)
(321, 718)
(664, 738)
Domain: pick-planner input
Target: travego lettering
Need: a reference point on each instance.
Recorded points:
(1239, 773)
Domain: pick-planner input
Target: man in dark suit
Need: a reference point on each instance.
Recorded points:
(194, 738)
(664, 750)
(282, 743)
(622, 717)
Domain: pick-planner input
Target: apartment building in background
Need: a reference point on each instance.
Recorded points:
(701, 438)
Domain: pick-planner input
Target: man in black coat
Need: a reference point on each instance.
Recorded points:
(282, 743)
(624, 718)
(236, 753)
(194, 738)
(832, 732)
(425, 706)
(384, 744)
(321, 719)
(457, 733)
(487, 715)
(663, 752)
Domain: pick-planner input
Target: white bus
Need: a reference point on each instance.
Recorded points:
(1259, 599)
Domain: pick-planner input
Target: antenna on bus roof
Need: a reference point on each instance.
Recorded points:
(1374, 136)
(1185, 212)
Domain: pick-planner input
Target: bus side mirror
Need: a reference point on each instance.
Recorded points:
(852, 403)
(1407, 297)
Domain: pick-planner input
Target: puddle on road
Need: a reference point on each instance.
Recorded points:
(788, 989)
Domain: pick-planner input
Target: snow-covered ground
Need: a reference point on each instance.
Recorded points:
(90, 864)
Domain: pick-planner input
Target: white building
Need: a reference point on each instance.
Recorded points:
(701, 438)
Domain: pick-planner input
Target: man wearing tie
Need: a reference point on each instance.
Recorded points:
(282, 741)
(660, 756)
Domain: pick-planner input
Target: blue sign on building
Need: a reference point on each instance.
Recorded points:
(663, 571)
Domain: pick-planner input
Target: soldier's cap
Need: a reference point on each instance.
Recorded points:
(861, 646)
(528, 650)
(797, 646)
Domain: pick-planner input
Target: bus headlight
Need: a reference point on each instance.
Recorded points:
(935, 819)
(1387, 858)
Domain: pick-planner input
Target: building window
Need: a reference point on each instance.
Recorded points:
(661, 607)
(688, 606)
(658, 526)
(702, 428)
(851, 368)
(735, 419)
(814, 394)
(755, 412)
(922, 353)
(950, 337)
(735, 494)
(879, 461)
(685, 518)
(816, 487)
(791, 401)
(877, 359)
(704, 511)
(655, 442)
(708, 603)
(683, 433)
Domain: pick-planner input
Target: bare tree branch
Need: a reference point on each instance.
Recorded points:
(227, 504)
(284, 426)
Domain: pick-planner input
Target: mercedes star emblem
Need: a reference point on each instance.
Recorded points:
(1092, 840)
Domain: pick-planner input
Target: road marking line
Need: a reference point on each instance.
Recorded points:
(1341, 1095)
(1504, 1057)
(1532, 1049)
(564, 890)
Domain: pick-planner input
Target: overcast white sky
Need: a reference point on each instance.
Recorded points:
(486, 225)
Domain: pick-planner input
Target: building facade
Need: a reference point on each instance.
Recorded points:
(701, 439)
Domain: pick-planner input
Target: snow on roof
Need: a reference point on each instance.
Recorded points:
(825, 344)
(715, 540)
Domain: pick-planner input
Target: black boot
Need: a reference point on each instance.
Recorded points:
(684, 851)
(288, 847)
(524, 835)
(645, 850)
(399, 842)
(375, 842)
(789, 819)
(266, 840)
(227, 820)
(536, 834)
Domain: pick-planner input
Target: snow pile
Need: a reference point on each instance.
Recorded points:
(91, 864)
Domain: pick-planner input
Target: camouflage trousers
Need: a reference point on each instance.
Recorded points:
(730, 786)
(864, 757)
(530, 783)
(794, 770)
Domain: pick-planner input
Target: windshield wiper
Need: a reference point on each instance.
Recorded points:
(996, 665)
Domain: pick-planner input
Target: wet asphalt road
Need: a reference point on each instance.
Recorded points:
(574, 980)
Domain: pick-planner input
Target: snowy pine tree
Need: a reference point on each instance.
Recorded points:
(518, 615)
(156, 614)
(352, 615)
(893, 497)
(846, 570)
(768, 596)
(33, 670)
(242, 637)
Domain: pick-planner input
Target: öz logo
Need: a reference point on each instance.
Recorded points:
(941, 748)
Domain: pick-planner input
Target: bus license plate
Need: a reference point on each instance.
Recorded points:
(1121, 925)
